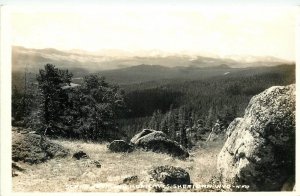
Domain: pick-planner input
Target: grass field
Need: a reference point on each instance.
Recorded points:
(71, 175)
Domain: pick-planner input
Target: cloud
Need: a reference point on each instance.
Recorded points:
(221, 30)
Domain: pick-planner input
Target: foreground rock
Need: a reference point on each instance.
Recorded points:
(155, 134)
(260, 149)
(80, 155)
(157, 141)
(28, 147)
(120, 146)
(131, 180)
(170, 175)
(16, 169)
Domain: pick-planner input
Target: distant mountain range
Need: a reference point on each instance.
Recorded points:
(151, 73)
(79, 61)
(144, 73)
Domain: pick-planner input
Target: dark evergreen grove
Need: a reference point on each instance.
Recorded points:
(53, 98)
(96, 109)
(87, 111)
(194, 106)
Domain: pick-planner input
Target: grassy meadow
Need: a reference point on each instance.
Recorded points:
(71, 175)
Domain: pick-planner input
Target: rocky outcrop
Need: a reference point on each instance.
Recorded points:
(131, 180)
(157, 141)
(120, 146)
(260, 149)
(31, 148)
(170, 175)
(150, 133)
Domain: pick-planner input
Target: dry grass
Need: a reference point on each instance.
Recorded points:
(72, 175)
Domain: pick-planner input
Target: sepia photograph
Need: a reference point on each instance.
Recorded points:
(152, 97)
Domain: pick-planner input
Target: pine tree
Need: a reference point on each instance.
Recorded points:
(155, 120)
(183, 124)
(99, 105)
(18, 110)
(176, 129)
(165, 124)
(209, 118)
(50, 83)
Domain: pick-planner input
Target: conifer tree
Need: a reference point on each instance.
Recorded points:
(50, 83)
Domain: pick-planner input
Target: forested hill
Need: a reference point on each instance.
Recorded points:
(144, 73)
(151, 76)
(144, 98)
(154, 96)
(207, 99)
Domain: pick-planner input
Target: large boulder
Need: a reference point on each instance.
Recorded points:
(157, 141)
(260, 149)
(120, 146)
(28, 147)
(150, 133)
(170, 175)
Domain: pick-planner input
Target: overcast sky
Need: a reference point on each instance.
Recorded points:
(190, 28)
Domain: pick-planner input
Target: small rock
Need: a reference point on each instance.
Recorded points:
(16, 169)
(80, 155)
(131, 179)
(14, 174)
(170, 175)
(97, 164)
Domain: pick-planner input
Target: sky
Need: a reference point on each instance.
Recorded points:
(260, 30)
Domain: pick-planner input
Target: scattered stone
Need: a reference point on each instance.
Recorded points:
(131, 180)
(14, 174)
(97, 164)
(260, 149)
(80, 155)
(16, 169)
(157, 141)
(15, 166)
(158, 189)
(170, 175)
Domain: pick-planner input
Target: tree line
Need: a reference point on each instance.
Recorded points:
(97, 110)
(86, 111)
(196, 106)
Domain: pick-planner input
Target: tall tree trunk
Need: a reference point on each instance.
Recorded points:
(184, 140)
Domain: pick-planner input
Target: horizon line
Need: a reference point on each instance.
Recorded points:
(163, 53)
